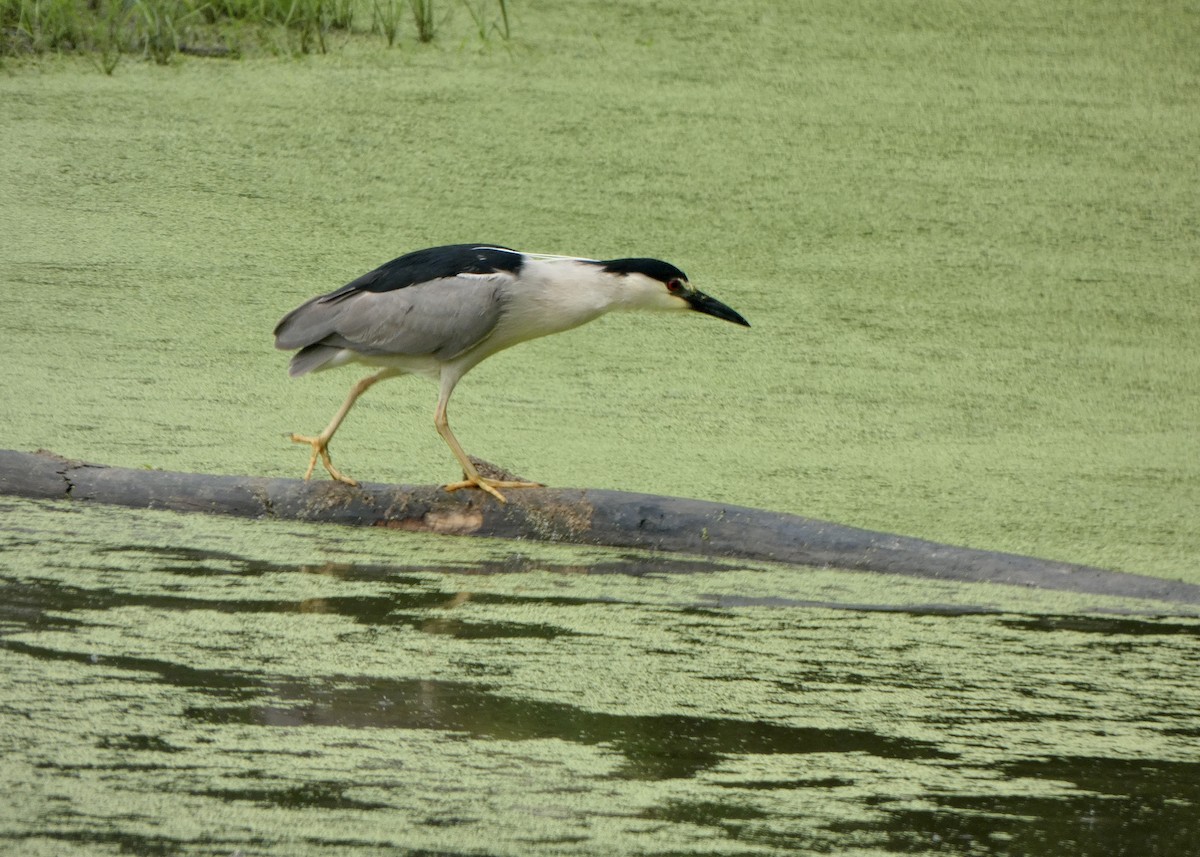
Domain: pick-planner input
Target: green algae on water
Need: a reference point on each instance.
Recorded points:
(203, 685)
(965, 241)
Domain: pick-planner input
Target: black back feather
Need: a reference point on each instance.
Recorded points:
(433, 263)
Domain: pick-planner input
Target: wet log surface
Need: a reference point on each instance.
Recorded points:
(578, 516)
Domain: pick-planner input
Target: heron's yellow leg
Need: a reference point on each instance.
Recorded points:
(489, 485)
(471, 476)
(320, 443)
(320, 447)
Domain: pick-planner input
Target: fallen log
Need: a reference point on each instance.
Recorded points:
(578, 516)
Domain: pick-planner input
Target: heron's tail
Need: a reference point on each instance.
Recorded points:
(312, 357)
(308, 330)
(305, 325)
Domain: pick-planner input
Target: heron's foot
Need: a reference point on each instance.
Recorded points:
(320, 448)
(491, 486)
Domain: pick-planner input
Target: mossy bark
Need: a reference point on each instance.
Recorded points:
(579, 516)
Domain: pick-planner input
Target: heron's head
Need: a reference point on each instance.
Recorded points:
(655, 284)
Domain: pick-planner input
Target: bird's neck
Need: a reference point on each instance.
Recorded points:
(561, 294)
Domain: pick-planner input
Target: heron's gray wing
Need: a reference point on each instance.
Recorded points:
(442, 318)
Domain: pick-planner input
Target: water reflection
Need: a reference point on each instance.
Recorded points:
(200, 563)
(353, 700)
(404, 607)
(1123, 807)
(654, 747)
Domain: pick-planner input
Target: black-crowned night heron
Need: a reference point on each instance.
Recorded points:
(439, 312)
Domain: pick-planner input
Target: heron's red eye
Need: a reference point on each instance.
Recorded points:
(675, 286)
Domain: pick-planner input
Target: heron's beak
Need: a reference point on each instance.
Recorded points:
(701, 302)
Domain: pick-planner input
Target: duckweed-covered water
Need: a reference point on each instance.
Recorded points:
(169, 686)
(966, 240)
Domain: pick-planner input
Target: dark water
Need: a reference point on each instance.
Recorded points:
(180, 686)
